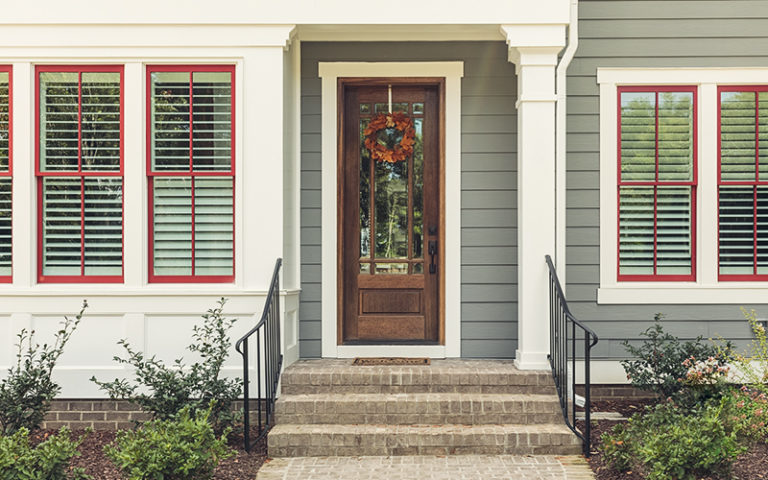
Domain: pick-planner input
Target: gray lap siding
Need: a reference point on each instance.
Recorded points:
(727, 33)
(488, 191)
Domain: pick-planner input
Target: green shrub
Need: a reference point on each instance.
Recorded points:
(184, 448)
(746, 412)
(691, 446)
(667, 442)
(49, 460)
(26, 392)
(164, 390)
(662, 362)
(616, 448)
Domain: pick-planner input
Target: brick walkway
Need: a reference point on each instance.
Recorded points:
(459, 467)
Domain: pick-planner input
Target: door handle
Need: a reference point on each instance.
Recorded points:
(432, 252)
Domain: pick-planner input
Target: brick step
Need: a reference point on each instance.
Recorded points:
(288, 440)
(442, 376)
(418, 408)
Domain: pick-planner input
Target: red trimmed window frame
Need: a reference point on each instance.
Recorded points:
(693, 183)
(191, 69)
(40, 175)
(757, 182)
(9, 173)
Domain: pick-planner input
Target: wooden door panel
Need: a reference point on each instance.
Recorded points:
(389, 214)
(390, 301)
(371, 327)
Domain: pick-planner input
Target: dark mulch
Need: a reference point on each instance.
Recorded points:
(243, 466)
(753, 465)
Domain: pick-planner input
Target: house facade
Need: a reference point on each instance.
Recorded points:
(412, 165)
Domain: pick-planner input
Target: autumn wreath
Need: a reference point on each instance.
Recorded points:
(379, 148)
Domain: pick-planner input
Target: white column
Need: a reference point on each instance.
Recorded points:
(536, 198)
(260, 165)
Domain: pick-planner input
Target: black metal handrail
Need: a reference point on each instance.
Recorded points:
(268, 342)
(562, 357)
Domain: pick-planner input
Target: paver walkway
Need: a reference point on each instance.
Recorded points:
(425, 467)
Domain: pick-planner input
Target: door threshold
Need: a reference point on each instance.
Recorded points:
(390, 350)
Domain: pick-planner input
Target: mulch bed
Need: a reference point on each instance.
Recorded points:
(243, 466)
(753, 465)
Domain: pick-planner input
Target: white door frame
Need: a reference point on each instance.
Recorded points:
(330, 72)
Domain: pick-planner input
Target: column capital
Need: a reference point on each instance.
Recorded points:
(534, 44)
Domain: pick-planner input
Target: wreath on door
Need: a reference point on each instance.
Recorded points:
(390, 137)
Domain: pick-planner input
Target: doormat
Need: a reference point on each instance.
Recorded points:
(372, 361)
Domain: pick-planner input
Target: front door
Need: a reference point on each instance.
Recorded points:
(390, 214)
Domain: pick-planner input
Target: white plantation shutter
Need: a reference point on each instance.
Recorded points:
(5, 225)
(59, 98)
(62, 239)
(673, 231)
(212, 121)
(214, 234)
(5, 122)
(657, 187)
(743, 183)
(193, 218)
(172, 228)
(636, 230)
(5, 175)
(81, 174)
(103, 230)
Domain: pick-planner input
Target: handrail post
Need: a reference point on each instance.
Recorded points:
(560, 361)
(269, 357)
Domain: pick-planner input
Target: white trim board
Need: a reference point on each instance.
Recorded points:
(706, 289)
(330, 72)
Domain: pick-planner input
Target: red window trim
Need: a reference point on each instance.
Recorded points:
(755, 183)
(42, 174)
(9, 173)
(655, 277)
(190, 173)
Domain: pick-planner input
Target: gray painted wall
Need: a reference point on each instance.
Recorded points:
(650, 33)
(488, 198)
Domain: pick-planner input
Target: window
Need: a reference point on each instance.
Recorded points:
(656, 183)
(80, 173)
(743, 183)
(6, 171)
(191, 170)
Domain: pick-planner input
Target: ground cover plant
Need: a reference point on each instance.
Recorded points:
(47, 460)
(28, 389)
(165, 390)
(181, 448)
(710, 410)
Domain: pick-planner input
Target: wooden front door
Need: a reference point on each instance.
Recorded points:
(390, 219)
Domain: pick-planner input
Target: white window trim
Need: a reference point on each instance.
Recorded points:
(330, 72)
(706, 289)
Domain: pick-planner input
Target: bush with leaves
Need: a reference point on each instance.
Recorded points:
(659, 363)
(666, 442)
(182, 448)
(48, 460)
(28, 389)
(164, 390)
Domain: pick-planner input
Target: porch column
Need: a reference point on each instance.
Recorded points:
(535, 61)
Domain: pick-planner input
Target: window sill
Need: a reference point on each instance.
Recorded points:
(117, 290)
(739, 293)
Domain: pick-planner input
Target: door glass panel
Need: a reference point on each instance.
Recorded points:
(365, 108)
(418, 268)
(365, 268)
(418, 188)
(365, 195)
(396, 107)
(418, 108)
(392, 268)
(391, 209)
